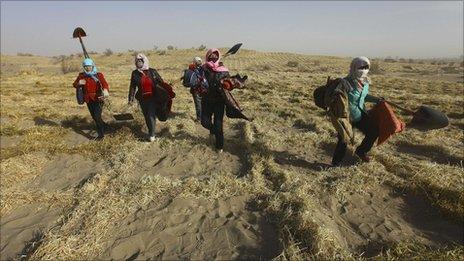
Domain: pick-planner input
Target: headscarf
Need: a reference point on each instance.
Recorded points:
(197, 61)
(89, 62)
(145, 65)
(214, 66)
(93, 73)
(356, 64)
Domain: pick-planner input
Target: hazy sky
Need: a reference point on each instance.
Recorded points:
(346, 28)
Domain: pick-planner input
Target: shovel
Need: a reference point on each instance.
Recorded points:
(79, 33)
(125, 116)
(232, 50)
(425, 118)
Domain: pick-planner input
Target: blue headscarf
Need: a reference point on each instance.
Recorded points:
(93, 73)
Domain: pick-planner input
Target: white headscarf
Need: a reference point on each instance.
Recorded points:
(197, 61)
(356, 64)
(145, 65)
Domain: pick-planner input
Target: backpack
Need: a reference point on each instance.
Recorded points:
(322, 94)
(190, 78)
(80, 95)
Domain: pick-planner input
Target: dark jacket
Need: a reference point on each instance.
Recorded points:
(162, 92)
(218, 93)
(215, 91)
(135, 88)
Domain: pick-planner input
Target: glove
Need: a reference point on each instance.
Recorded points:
(380, 99)
(106, 94)
(82, 82)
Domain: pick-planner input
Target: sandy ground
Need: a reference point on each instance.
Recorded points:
(272, 190)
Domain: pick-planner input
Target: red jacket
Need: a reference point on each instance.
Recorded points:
(91, 88)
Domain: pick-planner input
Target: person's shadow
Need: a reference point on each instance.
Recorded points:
(286, 158)
(82, 126)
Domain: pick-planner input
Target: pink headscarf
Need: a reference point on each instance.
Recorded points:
(214, 66)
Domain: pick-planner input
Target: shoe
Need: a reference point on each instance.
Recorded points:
(220, 151)
(336, 164)
(99, 138)
(152, 138)
(363, 157)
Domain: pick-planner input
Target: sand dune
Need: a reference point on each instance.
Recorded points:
(270, 194)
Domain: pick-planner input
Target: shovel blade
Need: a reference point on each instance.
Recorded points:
(234, 49)
(123, 117)
(426, 118)
(79, 32)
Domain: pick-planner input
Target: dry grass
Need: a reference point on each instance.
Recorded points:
(282, 151)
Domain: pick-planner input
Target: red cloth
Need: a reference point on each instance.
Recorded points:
(171, 93)
(386, 120)
(91, 88)
(228, 85)
(147, 85)
(192, 66)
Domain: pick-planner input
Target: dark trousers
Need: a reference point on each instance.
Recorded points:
(197, 102)
(148, 110)
(371, 132)
(216, 109)
(95, 109)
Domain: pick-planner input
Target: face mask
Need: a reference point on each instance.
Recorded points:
(88, 68)
(213, 58)
(361, 73)
(139, 64)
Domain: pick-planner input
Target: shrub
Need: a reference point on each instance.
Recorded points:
(170, 47)
(202, 48)
(24, 54)
(68, 66)
(389, 60)
(108, 52)
(266, 67)
(375, 68)
(163, 52)
(28, 71)
(449, 69)
(292, 64)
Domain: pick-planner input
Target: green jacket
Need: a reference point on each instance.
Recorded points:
(357, 98)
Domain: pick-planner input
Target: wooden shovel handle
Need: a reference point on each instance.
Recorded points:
(401, 107)
(86, 55)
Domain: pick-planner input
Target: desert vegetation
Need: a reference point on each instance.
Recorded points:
(270, 194)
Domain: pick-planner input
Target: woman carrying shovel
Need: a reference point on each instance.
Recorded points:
(356, 88)
(217, 98)
(95, 90)
(142, 87)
